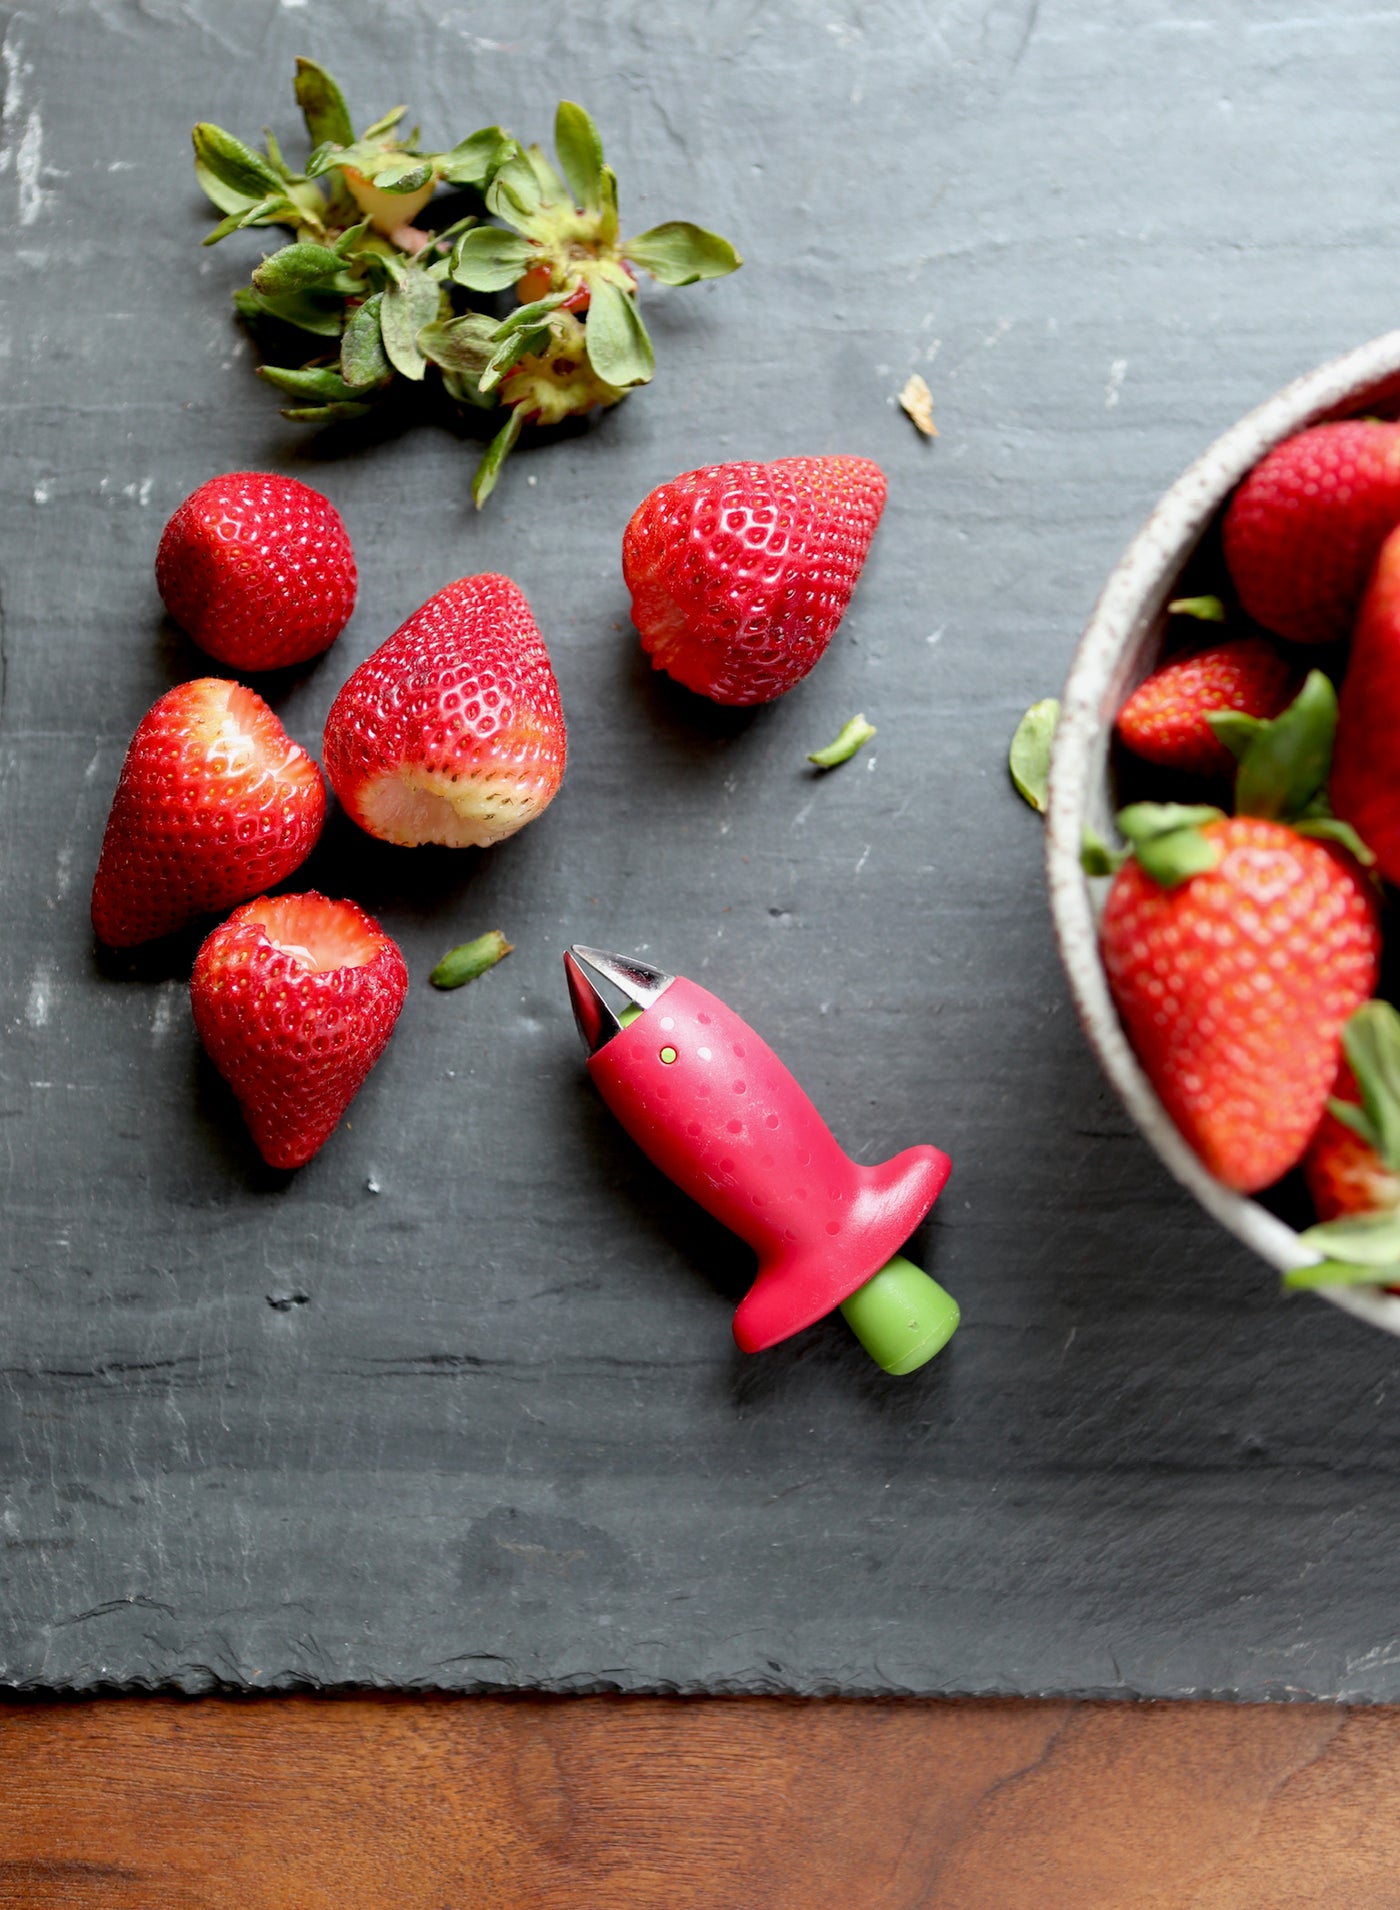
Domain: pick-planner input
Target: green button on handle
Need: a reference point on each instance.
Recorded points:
(901, 1317)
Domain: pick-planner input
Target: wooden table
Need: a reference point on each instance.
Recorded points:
(700, 1804)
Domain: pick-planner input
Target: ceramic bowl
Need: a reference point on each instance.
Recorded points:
(1120, 646)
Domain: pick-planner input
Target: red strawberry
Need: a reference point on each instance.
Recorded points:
(295, 997)
(1164, 720)
(740, 573)
(1365, 785)
(1302, 531)
(258, 570)
(1345, 1174)
(215, 802)
(452, 731)
(1234, 984)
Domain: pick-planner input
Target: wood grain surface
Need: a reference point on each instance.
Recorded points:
(695, 1804)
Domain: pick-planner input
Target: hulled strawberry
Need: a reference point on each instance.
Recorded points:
(1303, 529)
(295, 997)
(452, 732)
(1237, 947)
(1164, 720)
(258, 570)
(1233, 984)
(740, 573)
(1365, 785)
(215, 802)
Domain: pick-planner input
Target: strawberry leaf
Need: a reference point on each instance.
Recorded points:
(294, 268)
(294, 308)
(383, 127)
(1371, 1044)
(555, 192)
(472, 160)
(1204, 609)
(579, 146)
(409, 304)
(314, 382)
(516, 345)
(1366, 1240)
(463, 345)
(1327, 828)
(618, 347)
(514, 194)
(1283, 764)
(327, 414)
(487, 259)
(1166, 838)
(322, 106)
(499, 449)
(363, 360)
(232, 174)
(1339, 1273)
(679, 253)
(1029, 760)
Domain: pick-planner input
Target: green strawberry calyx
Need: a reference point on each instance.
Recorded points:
(376, 288)
(1363, 1249)
(1166, 838)
(1284, 763)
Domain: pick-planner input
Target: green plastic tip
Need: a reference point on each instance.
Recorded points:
(901, 1317)
(630, 1014)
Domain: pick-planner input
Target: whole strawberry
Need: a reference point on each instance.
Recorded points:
(1234, 980)
(452, 732)
(740, 573)
(215, 802)
(1302, 531)
(1353, 1164)
(1365, 785)
(258, 570)
(295, 997)
(1164, 720)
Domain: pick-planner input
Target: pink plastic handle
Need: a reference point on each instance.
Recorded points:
(724, 1119)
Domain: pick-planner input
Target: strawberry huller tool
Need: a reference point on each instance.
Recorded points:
(708, 1101)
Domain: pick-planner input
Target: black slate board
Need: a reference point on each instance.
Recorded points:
(457, 1405)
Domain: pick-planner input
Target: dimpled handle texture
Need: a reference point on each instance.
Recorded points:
(731, 1127)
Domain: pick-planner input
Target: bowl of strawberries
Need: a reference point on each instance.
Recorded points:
(1223, 829)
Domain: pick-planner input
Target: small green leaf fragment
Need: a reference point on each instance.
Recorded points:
(1339, 1273)
(410, 303)
(295, 308)
(679, 253)
(1095, 856)
(363, 360)
(1204, 609)
(1235, 730)
(471, 959)
(853, 735)
(579, 146)
(295, 268)
(1029, 759)
(1333, 829)
(499, 449)
(618, 347)
(1366, 1240)
(488, 260)
(322, 106)
(514, 192)
(382, 127)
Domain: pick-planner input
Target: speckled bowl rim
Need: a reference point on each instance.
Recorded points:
(1133, 603)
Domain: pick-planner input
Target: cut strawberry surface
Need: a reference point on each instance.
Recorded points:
(452, 731)
(295, 998)
(215, 802)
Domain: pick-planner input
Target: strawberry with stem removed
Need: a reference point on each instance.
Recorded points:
(1237, 947)
(452, 731)
(295, 997)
